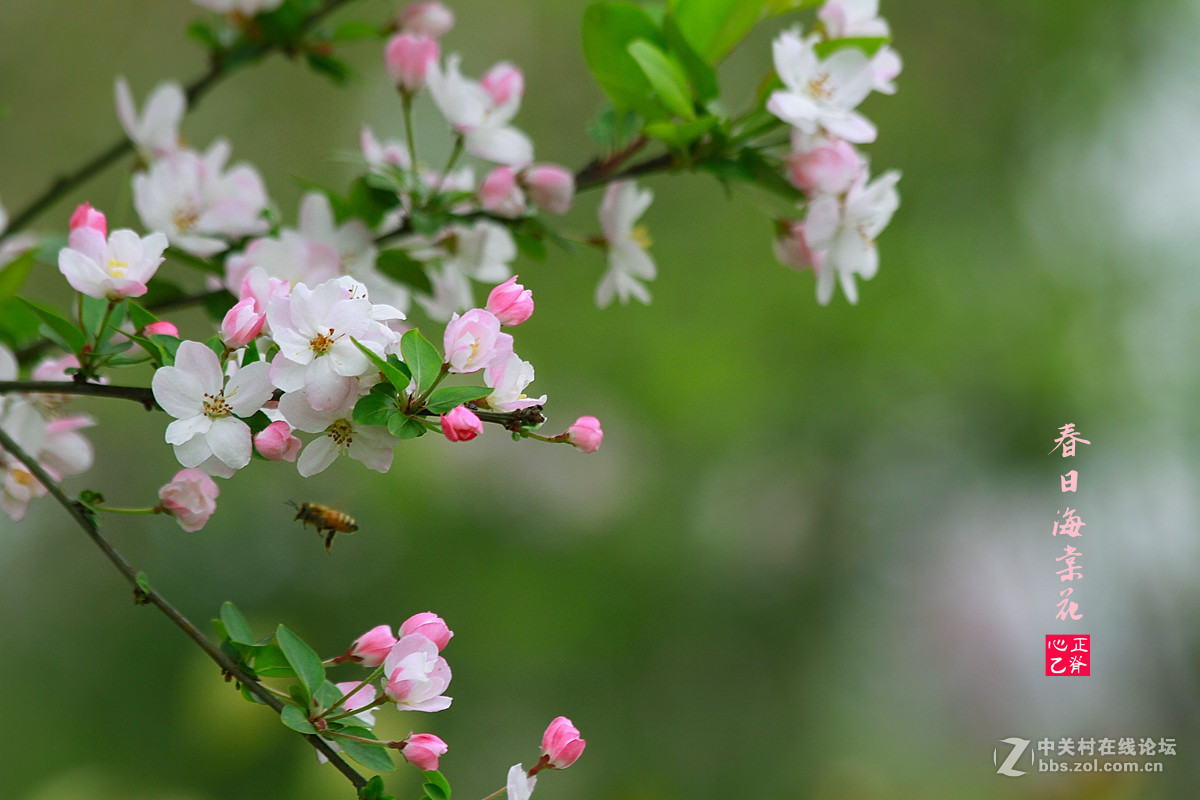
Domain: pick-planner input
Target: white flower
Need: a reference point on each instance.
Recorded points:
(112, 267)
(520, 785)
(853, 19)
(508, 379)
(842, 233)
(370, 444)
(628, 260)
(197, 203)
(156, 132)
(473, 111)
(26, 426)
(821, 94)
(205, 432)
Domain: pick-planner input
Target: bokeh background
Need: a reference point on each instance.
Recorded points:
(812, 558)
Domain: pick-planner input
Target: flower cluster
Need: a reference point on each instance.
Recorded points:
(845, 209)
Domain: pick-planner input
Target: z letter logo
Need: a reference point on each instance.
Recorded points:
(1018, 749)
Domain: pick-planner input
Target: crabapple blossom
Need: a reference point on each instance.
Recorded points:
(429, 625)
(510, 302)
(407, 58)
(451, 292)
(505, 83)
(508, 379)
(199, 204)
(431, 19)
(474, 341)
(416, 675)
(885, 65)
(473, 111)
(316, 330)
(64, 450)
(852, 19)
(500, 194)
(422, 750)
(551, 187)
(162, 327)
(461, 425)
(242, 324)
(190, 497)
(206, 432)
(87, 217)
(628, 261)
(156, 131)
(586, 434)
(369, 444)
(381, 156)
(561, 745)
(12, 246)
(820, 165)
(25, 425)
(277, 443)
(821, 93)
(792, 247)
(372, 647)
(113, 267)
(519, 785)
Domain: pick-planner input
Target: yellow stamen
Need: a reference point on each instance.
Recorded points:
(641, 237)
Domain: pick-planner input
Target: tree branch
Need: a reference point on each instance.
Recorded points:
(138, 394)
(148, 595)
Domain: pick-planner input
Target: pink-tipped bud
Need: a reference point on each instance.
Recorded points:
(461, 425)
(586, 434)
(190, 497)
(429, 625)
(407, 57)
(242, 324)
(551, 187)
(829, 168)
(422, 750)
(430, 19)
(87, 217)
(792, 248)
(372, 647)
(276, 442)
(161, 327)
(561, 744)
(505, 83)
(500, 194)
(511, 302)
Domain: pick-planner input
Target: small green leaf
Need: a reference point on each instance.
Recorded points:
(434, 792)
(270, 662)
(143, 582)
(614, 129)
(784, 6)
(139, 316)
(680, 136)
(445, 398)
(202, 33)
(366, 202)
(403, 268)
(868, 44)
(397, 374)
(373, 790)
(608, 30)
(435, 778)
(667, 78)
(304, 661)
(375, 409)
(65, 332)
(714, 27)
(236, 626)
(422, 358)
(404, 427)
(15, 273)
(335, 69)
(371, 756)
(296, 719)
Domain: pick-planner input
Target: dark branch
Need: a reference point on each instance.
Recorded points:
(138, 394)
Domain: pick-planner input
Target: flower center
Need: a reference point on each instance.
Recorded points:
(215, 406)
(641, 237)
(117, 269)
(23, 478)
(184, 218)
(321, 343)
(817, 87)
(341, 432)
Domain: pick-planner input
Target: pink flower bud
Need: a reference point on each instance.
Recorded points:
(276, 442)
(504, 82)
(429, 625)
(422, 750)
(161, 327)
(829, 168)
(500, 194)
(241, 324)
(408, 57)
(551, 187)
(461, 425)
(191, 497)
(511, 302)
(87, 217)
(561, 744)
(372, 647)
(430, 19)
(586, 434)
(792, 248)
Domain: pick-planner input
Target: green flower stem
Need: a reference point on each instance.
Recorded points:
(442, 373)
(362, 739)
(455, 153)
(151, 596)
(378, 671)
(496, 793)
(110, 510)
(375, 703)
(406, 107)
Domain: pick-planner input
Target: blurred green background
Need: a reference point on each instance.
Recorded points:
(811, 559)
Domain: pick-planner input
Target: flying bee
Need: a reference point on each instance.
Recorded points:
(325, 518)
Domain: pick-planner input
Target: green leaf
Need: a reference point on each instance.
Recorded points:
(270, 662)
(375, 409)
(614, 129)
(236, 626)
(608, 30)
(304, 661)
(335, 69)
(18, 324)
(445, 398)
(354, 30)
(434, 792)
(868, 44)
(667, 78)
(702, 75)
(405, 427)
(368, 203)
(784, 6)
(714, 27)
(296, 719)
(15, 273)
(373, 790)
(375, 757)
(397, 374)
(202, 33)
(436, 779)
(403, 268)
(327, 695)
(680, 136)
(64, 332)
(422, 358)
(143, 582)
(139, 316)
